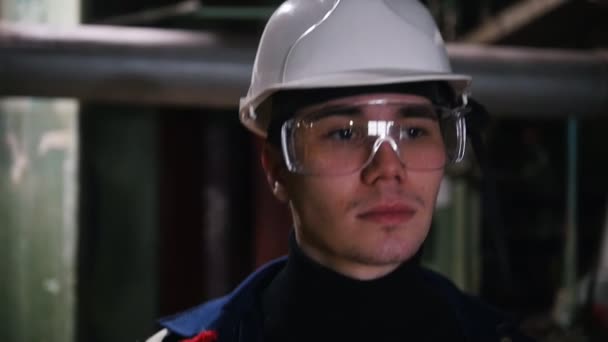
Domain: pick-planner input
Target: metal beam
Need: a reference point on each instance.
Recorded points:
(510, 20)
(193, 9)
(181, 68)
(151, 15)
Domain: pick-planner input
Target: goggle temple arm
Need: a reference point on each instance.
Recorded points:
(461, 128)
(291, 167)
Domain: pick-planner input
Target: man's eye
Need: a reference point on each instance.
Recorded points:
(412, 133)
(342, 134)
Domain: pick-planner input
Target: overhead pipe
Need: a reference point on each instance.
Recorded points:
(127, 65)
(210, 69)
(532, 82)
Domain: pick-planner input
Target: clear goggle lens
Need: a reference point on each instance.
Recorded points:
(342, 139)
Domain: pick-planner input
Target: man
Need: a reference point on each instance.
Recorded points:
(361, 114)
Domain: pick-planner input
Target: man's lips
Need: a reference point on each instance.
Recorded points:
(388, 214)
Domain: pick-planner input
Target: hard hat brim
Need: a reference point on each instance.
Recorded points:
(459, 83)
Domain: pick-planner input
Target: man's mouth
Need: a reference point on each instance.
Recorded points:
(388, 214)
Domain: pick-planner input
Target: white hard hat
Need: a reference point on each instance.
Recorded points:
(339, 43)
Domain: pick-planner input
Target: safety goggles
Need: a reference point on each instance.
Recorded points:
(342, 138)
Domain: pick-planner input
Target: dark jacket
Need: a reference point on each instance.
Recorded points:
(236, 317)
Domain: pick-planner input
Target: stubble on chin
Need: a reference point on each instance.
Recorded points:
(392, 248)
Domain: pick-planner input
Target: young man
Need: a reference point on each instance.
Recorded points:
(361, 114)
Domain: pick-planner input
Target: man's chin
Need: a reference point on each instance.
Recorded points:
(387, 253)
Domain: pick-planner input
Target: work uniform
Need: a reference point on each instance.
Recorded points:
(295, 299)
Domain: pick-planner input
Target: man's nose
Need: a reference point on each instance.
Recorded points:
(385, 164)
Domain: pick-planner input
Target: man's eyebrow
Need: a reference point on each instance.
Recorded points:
(341, 110)
(419, 112)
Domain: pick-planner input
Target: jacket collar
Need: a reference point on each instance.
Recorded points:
(479, 322)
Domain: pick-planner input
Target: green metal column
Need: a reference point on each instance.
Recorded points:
(454, 241)
(38, 196)
(37, 218)
(566, 301)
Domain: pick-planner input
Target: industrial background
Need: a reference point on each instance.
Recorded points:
(129, 191)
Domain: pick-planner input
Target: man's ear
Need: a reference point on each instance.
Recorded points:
(275, 171)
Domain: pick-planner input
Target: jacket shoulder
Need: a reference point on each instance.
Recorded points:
(222, 313)
(198, 318)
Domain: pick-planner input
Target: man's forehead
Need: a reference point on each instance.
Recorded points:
(377, 98)
(361, 100)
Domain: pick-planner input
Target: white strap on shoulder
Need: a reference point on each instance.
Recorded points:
(159, 336)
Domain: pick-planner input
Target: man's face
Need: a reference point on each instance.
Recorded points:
(366, 223)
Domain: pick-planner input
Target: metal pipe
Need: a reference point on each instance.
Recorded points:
(163, 67)
(528, 82)
(128, 65)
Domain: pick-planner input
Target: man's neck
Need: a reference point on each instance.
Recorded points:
(352, 269)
